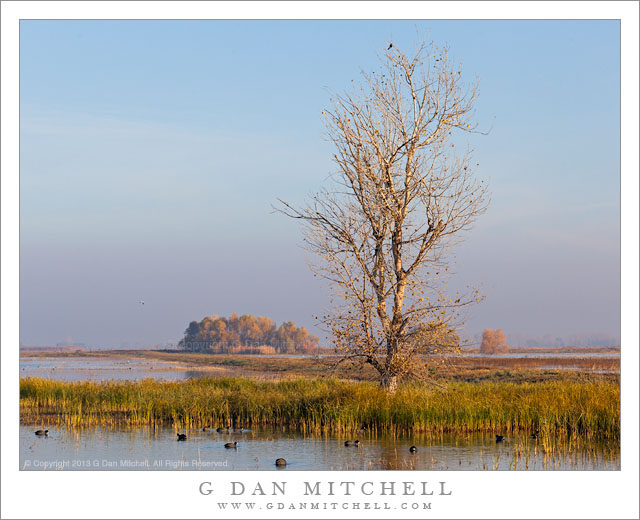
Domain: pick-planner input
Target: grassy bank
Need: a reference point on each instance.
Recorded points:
(586, 410)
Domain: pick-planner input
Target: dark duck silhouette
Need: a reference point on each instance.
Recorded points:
(222, 429)
(41, 433)
(499, 438)
(352, 443)
(233, 444)
(182, 437)
(413, 449)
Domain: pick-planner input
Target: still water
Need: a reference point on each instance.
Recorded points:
(100, 369)
(148, 449)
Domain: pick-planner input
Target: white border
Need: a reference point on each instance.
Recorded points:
(476, 494)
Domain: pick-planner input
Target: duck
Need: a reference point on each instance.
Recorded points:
(233, 444)
(182, 437)
(41, 433)
(281, 462)
(352, 443)
(223, 429)
(499, 438)
(413, 449)
(206, 429)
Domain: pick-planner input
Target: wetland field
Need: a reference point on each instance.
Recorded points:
(120, 410)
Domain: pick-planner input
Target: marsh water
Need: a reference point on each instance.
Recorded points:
(126, 448)
(148, 449)
(105, 369)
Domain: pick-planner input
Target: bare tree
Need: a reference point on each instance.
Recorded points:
(400, 197)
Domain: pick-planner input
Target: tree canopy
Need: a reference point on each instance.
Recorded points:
(219, 334)
(493, 342)
(400, 198)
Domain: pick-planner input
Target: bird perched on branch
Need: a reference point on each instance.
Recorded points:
(390, 45)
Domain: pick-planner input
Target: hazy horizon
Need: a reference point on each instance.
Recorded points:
(152, 153)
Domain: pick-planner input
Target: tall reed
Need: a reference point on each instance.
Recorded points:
(588, 410)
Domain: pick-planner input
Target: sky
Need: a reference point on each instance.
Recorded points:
(152, 153)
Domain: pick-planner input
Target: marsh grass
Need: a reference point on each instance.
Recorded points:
(585, 363)
(581, 411)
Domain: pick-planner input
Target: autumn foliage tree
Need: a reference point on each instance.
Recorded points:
(401, 196)
(219, 334)
(493, 342)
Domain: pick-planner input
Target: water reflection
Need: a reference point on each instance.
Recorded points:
(157, 449)
(100, 369)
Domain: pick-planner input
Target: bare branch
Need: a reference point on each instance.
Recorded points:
(401, 196)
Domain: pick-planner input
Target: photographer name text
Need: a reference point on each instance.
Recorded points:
(330, 488)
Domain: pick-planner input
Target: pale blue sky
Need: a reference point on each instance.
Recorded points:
(151, 153)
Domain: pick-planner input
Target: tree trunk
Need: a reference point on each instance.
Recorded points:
(389, 383)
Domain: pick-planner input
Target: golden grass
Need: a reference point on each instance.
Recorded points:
(576, 362)
(588, 410)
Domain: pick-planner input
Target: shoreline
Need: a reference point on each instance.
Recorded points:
(461, 368)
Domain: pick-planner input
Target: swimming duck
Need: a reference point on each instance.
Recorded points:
(352, 443)
(413, 449)
(182, 437)
(40, 433)
(499, 438)
(233, 444)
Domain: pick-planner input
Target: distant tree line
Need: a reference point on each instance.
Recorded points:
(246, 334)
